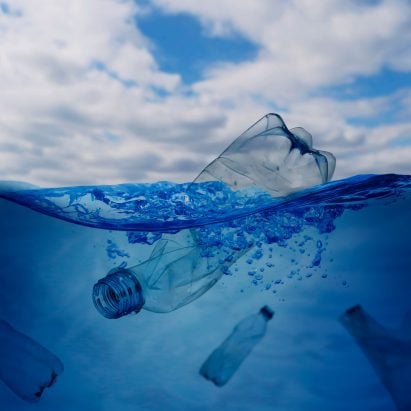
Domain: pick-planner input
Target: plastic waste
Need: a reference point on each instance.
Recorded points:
(267, 157)
(174, 275)
(273, 158)
(26, 367)
(224, 361)
(388, 352)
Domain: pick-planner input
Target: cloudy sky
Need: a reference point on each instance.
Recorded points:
(109, 91)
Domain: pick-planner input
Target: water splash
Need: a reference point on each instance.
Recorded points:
(222, 220)
(170, 207)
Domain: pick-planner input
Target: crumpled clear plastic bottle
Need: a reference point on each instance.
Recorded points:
(224, 361)
(267, 156)
(388, 351)
(273, 158)
(26, 367)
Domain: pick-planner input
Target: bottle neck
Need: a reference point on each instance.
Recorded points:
(118, 294)
(267, 312)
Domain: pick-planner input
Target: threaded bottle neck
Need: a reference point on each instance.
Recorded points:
(118, 294)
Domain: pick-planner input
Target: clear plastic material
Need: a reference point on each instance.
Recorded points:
(273, 158)
(26, 367)
(175, 274)
(389, 353)
(268, 157)
(224, 361)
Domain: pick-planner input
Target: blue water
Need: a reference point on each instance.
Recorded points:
(314, 254)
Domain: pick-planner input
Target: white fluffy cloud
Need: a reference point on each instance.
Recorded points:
(306, 46)
(83, 99)
(79, 102)
(303, 44)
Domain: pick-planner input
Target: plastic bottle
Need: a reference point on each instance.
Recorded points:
(175, 274)
(389, 352)
(267, 156)
(26, 367)
(224, 361)
(273, 158)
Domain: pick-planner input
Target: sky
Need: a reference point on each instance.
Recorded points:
(111, 91)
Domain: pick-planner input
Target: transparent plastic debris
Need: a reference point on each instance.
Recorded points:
(174, 275)
(388, 351)
(266, 157)
(225, 360)
(273, 158)
(26, 367)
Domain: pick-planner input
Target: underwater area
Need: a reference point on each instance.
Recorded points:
(331, 260)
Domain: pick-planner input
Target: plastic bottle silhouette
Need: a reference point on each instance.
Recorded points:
(224, 361)
(26, 367)
(268, 156)
(389, 352)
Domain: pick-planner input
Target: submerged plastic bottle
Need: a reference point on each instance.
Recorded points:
(224, 361)
(175, 274)
(389, 352)
(267, 156)
(26, 367)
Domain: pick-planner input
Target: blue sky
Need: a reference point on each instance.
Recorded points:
(180, 44)
(176, 81)
(386, 81)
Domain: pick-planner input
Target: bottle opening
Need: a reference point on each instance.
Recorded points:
(353, 310)
(267, 312)
(118, 294)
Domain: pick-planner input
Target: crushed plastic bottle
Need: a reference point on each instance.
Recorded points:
(266, 157)
(388, 352)
(271, 157)
(26, 367)
(224, 361)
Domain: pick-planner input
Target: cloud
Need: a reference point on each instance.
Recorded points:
(80, 97)
(84, 100)
(306, 47)
(303, 43)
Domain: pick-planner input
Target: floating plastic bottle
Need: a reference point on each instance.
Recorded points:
(388, 352)
(266, 157)
(26, 367)
(224, 361)
(271, 157)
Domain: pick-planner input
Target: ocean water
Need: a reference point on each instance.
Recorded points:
(312, 255)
